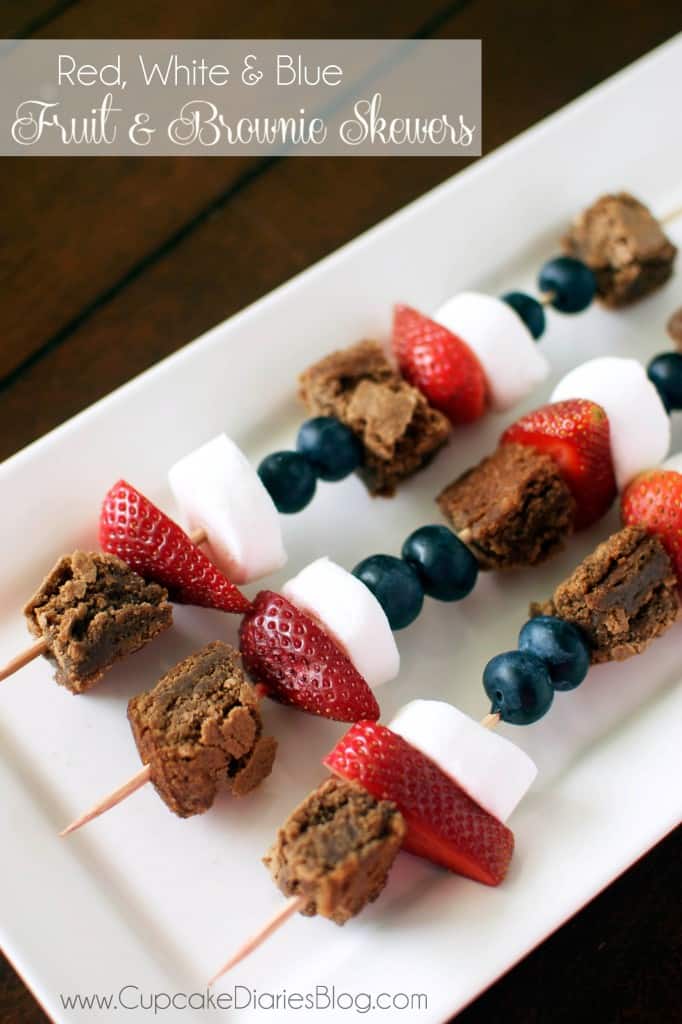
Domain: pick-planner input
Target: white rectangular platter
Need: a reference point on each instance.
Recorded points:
(143, 899)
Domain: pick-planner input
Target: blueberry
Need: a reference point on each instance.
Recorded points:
(395, 585)
(445, 566)
(330, 447)
(530, 311)
(561, 646)
(665, 373)
(289, 480)
(518, 686)
(573, 283)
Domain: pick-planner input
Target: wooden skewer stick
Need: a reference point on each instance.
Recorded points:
(291, 907)
(41, 647)
(295, 903)
(491, 720)
(19, 660)
(129, 787)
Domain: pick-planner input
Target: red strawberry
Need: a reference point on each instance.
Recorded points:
(131, 527)
(654, 501)
(443, 823)
(440, 364)
(300, 664)
(576, 434)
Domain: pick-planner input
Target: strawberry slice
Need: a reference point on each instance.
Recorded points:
(133, 528)
(576, 434)
(298, 662)
(654, 501)
(443, 823)
(440, 364)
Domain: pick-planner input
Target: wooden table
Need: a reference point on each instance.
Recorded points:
(109, 264)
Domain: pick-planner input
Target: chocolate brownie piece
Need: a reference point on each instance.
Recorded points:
(674, 328)
(624, 245)
(622, 596)
(92, 610)
(512, 509)
(399, 430)
(201, 726)
(336, 849)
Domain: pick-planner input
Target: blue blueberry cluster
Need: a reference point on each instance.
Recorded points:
(434, 562)
(326, 449)
(572, 287)
(553, 655)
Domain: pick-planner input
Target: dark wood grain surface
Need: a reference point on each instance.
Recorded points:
(108, 265)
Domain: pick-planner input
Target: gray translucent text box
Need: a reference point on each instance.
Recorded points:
(240, 97)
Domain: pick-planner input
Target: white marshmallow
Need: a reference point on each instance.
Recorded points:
(674, 463)
(511, 360)
(492, 770)
(218, 490)
(638, 421)
(351, 614)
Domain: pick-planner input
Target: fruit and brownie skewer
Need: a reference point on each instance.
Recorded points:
(555, 470)
(304, 663)
(327, 638)
(368, 417)
(477, 353)
(84, 629)
(442, 786)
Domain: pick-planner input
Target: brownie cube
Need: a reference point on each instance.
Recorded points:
(622, 596)
(397, 427)
(200, 727)
(336, 849)
(513, 509)
(624, 245)
(91, 610)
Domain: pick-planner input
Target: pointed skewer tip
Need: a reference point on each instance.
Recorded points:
(292, 906)
(124, 791)
(19, 660)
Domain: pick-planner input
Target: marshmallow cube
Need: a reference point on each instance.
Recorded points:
(218, 490)
(492, 770)
(511, 360)
(351, 614)
(638, 421)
